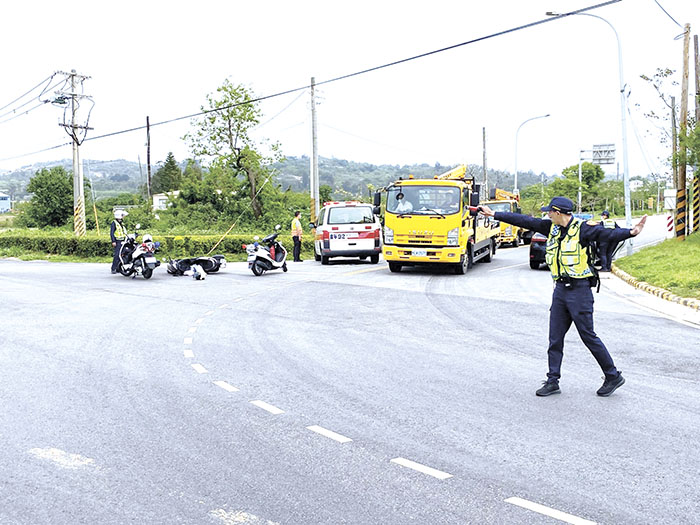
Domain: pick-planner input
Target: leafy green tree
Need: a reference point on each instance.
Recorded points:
(52, 202)
(168, 177)
(591, 176)
(222, 135)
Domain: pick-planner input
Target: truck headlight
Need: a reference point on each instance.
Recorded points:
(509, 230)
(453, 237)
(388, 235)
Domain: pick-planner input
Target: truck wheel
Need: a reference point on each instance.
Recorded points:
(492, 251)
(465, 262)
(534, 265)
(516, 242)
(394, 267)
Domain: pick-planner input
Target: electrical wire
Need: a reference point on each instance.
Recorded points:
(668, 15)
(21, 114)
(281, 111)
(27, 93)
(357, 73)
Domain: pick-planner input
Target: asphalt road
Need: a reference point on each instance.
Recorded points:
(336, 394)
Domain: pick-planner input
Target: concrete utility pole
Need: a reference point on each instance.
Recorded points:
(683, 133)
(486, 177)
(674, 143)
(313, 168)
(696, 178)
(78, 191)
(148, 159)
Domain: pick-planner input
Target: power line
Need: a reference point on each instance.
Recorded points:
(668, 15)
(350, 75)
(27, 93)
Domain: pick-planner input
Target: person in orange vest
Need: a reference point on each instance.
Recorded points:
(297, 232)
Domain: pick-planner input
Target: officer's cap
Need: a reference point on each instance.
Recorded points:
(561, 204)
(606, 213)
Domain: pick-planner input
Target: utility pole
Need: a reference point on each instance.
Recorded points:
(313, 169)
(696, 178)
(72, 129)
(683, 133)
(148, 159)
(486, 177)
(674, 143)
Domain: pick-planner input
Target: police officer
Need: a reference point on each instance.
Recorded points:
(572, 300)
(605, 248)
(297, 232)
(117, 233)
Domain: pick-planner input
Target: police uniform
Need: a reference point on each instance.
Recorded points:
(117, 233)
(605, 248)
(573, 275)
(296, 238)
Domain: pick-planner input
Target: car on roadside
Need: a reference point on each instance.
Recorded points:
(537, 250)
(347, 229)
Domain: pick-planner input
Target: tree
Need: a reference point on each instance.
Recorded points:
(222, 135)
(168, 177)
(52, 202)
(591, 176)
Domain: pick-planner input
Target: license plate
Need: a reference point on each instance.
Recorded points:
(343, 235)
(419, 253)
(151, 260)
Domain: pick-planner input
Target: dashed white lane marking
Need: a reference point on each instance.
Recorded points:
(547, 511)
(187, 340)
(238, 299)
(266, 406)
(223, 306)
(62, 458)
(235, 517)
(226, 386)
(210, 312)
(192, 330)
(421, 468)
(199, 321)
(329, 434)
(199, 368)
(188, 353)
(506, 267)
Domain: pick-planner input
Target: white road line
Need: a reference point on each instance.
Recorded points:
(421, 468)
(238, 299)
(226, 386)
(187, 340)
(506, 267)
(188, 353)
(223, 306)
(266, 406)
(62, 458)
(199, 368)
(209, 312)
(329, 434)
(253, 294)
(199, 321)
(552, 513)
(192, 330)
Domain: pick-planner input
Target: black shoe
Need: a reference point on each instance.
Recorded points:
(610, 385)
(548, 388)
(114, 271)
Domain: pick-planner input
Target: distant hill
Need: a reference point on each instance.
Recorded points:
(111, 177)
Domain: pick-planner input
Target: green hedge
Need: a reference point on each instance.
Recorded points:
(65, 243)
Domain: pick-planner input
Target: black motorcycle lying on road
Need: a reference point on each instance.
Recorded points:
(185, 266)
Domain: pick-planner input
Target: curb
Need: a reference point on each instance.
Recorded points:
(655, 290)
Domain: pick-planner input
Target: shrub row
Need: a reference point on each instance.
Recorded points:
(64, 243)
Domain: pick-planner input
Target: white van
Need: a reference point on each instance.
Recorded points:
(347, 229)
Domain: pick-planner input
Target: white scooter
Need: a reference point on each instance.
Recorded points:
(266, 255)
(138, 258)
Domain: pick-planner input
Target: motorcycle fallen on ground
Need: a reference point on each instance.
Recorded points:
(196, 265)
(266, 255)
(138, 258)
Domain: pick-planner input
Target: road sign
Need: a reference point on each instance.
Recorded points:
(603, 153)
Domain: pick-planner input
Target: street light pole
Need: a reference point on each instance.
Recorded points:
(515, 184)
(623, 121)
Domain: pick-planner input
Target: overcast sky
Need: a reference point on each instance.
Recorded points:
(161, 59)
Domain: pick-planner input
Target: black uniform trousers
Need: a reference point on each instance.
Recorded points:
(605, 251)
(575, 303)
(115, 259)
(297, 247)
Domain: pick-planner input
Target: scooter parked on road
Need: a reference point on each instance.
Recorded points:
(138, 258)
(266, 255)
(208, 264)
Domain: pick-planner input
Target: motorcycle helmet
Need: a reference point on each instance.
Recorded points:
(120, 214)
(147, 238)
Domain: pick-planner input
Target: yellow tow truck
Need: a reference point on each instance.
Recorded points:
(435, 222)
(502, 200)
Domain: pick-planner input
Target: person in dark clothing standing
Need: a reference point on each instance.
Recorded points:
(574, 276)
(117, 233)
(606, 248)
(296, 236)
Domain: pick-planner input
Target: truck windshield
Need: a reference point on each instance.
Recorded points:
(423, 200)
(499, 206)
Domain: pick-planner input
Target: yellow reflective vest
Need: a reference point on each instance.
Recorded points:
(566, 256)
(296, 227)
(119, 231)
(608, 223)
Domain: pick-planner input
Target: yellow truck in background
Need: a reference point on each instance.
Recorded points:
(429, 222)
(502, 200)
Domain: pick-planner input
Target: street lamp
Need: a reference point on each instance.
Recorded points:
(623, 119)
(515, 184)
